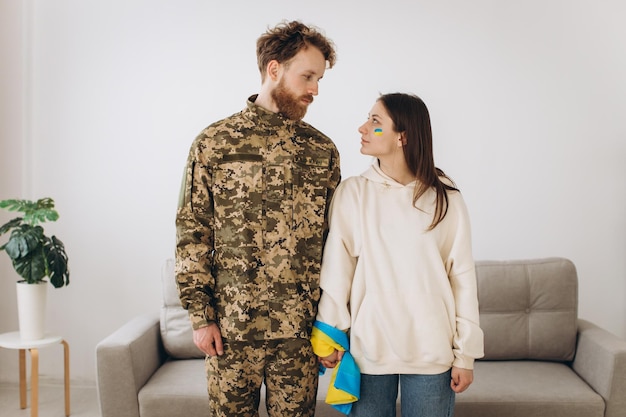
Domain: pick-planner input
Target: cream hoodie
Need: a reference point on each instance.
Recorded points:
(407, 295)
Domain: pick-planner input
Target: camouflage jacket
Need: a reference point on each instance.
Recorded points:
(251, 223)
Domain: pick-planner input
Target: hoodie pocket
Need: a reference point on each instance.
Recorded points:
(416, 331)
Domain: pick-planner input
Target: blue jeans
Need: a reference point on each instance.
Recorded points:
(421, 396)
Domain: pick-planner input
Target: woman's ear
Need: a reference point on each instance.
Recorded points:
(401, 140)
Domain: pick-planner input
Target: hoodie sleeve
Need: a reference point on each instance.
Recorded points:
(468, 337)
(340, 257)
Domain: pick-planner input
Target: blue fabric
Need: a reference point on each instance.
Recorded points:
(347, 375)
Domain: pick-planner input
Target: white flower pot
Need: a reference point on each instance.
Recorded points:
(31, 310)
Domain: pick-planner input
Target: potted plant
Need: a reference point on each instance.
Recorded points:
(35, 257)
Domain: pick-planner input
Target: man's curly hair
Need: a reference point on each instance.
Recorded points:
(286, 39)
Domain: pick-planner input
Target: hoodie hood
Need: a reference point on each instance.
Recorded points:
(375, 173)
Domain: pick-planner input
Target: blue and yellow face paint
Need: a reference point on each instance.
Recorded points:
(378, 132)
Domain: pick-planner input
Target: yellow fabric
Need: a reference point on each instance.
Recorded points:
(323, 345)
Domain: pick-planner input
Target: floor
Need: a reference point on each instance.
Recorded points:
(83, 401)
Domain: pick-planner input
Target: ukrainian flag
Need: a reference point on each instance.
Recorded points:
(345, 383)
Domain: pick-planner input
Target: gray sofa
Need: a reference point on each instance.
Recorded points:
(540, 360)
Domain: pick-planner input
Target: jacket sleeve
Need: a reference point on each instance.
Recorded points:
(194, 241)
(340, 258)
(468, 337)
(334, 178)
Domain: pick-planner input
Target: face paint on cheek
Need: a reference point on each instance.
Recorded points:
(378, 132)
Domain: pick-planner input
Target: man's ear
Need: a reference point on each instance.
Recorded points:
(273, 70)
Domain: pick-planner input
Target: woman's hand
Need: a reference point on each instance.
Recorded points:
(461, 379)
(331, 360)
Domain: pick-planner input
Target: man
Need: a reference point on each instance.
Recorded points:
(251, 224)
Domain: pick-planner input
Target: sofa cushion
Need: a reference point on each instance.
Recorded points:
(527, 389)
(175, 324)
(177, 385)
(528, 309)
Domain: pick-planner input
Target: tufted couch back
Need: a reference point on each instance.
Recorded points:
(528, 309)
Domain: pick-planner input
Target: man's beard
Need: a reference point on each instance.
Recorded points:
(289, 105)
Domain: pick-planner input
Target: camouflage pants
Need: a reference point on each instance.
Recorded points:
(288, 367)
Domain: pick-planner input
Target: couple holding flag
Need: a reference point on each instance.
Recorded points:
(396, 285)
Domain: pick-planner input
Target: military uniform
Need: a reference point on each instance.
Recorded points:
(251, 224)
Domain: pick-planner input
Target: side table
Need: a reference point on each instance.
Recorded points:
(12, 340)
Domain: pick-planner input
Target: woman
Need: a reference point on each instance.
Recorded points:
(398, 272)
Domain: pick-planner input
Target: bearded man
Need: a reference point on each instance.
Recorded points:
(251, 224)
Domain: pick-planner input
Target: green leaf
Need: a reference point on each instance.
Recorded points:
(17, 205)
(41, 216)
(31, 267)
(24, 240)
(10, 224)
(34, 212)
(57, 262)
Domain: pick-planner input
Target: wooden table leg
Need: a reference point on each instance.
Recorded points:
(66, 353)
(22, 354)
(34, 382)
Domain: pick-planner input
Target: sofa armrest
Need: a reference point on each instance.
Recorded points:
(125, 360)
(601, 361)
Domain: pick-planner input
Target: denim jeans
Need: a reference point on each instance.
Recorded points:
(420, 396)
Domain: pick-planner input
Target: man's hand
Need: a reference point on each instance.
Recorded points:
(209, 339)
(461, 379)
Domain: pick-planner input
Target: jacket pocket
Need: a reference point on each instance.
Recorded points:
(237, 201)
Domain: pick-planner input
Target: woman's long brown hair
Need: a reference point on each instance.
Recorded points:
(410, 116)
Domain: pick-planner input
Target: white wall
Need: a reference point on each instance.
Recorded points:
(527, 100)
(12, 132)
